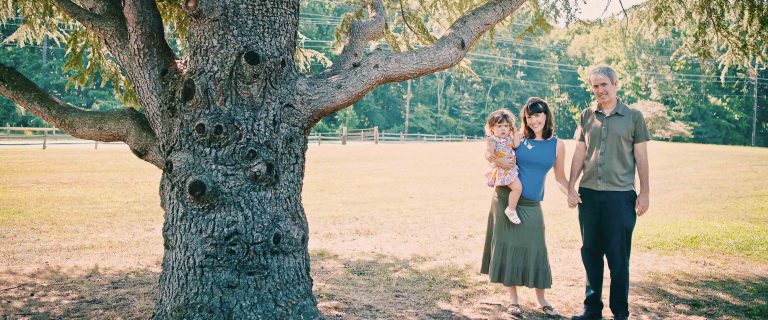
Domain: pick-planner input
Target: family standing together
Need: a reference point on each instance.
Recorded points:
(611, 145)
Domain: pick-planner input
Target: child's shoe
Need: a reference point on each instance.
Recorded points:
(512, 215)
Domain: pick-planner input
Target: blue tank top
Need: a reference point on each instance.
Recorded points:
(534, 159)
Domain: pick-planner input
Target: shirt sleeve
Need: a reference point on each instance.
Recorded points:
(641, 130)
(579, 134)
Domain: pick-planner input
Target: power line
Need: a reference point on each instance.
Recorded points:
(502, 39)
(529, 43)
(508, 61)
(321, 18)
(684, 76)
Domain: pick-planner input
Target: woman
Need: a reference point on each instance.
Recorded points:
(516, 254)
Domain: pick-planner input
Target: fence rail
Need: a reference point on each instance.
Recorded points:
(26, 136)
(375, 136)
(370, 135)
(25, 131)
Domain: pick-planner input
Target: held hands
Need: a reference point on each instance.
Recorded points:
(574, 198)
(642, 203)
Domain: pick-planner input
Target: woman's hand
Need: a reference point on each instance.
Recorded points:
(505, 162)
(574, 198)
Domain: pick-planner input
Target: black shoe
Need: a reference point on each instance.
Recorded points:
(620, 317)
(586, 315)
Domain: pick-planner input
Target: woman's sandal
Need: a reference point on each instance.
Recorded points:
(549, 311)
(514, 309)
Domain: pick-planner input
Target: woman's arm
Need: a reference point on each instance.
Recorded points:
(562, 181)
(502, 162)
(490, 148)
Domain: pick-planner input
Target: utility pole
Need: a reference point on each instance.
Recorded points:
(408, 97)
(754, 112)
(45, 50)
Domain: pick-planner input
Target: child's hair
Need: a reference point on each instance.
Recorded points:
(499, 116)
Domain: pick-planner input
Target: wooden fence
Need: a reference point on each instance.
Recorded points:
(31, 136)
(369, 135)
(375, 136)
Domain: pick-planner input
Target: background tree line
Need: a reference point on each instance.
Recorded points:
(689, 99)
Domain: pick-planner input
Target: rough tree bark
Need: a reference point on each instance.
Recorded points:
(228, 126)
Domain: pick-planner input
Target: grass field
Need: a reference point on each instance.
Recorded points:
(396, 231)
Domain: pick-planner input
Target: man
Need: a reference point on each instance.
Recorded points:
(611, 144)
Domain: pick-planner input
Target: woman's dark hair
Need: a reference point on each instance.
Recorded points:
(536, 105)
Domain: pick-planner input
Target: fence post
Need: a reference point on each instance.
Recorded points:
(343, 135)
(319, 138)
(96, 146)
(465, 138)
(45, 140)
(7, 128)
(54, 130)
(376, 135)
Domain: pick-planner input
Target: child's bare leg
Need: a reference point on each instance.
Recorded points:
(514, 196)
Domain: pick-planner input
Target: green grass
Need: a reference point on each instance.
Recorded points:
(708, 200)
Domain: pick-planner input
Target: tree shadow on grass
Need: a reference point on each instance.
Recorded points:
(385, 287)
(707, 296)
(376, 287)
(55, 293)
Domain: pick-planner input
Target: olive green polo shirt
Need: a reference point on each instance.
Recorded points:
(609, 164)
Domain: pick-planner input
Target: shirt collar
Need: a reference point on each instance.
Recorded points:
(621, 108)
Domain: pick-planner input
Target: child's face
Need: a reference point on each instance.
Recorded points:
(501, 129)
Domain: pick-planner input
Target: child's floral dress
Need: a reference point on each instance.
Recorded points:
(500, 176)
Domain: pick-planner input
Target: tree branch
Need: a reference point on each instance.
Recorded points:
(361, 32)
(146, 31)
(149, 58)
(127, 125)
(133, 33)
(323, 96)
(100, 20)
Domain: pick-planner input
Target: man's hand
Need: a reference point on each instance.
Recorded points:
(641, 204)
(574, 198)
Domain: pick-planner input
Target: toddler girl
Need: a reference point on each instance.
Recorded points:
(503, 138)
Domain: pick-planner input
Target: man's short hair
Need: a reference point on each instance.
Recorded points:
(605, 71)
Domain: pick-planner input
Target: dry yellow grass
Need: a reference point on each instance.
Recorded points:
(396, 232)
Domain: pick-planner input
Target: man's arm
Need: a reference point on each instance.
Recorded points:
(577, 165)
(641, 160)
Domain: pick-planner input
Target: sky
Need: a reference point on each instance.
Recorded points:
(594, 8)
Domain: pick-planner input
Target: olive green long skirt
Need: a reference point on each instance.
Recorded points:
(516, 254)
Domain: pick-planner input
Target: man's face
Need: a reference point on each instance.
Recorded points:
(603, 88)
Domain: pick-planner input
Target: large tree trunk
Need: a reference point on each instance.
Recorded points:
(235, 232)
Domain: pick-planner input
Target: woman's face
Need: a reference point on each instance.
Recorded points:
(536, 121)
